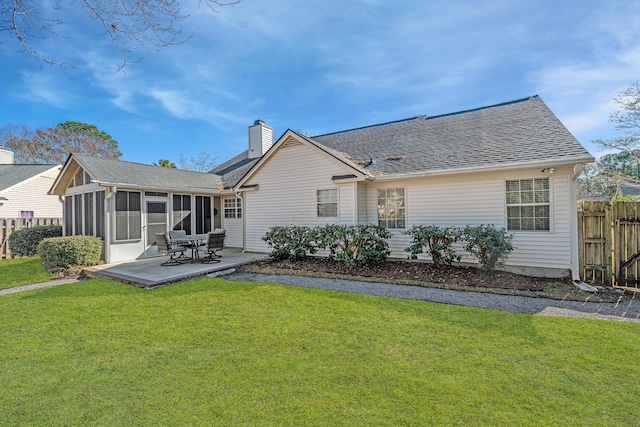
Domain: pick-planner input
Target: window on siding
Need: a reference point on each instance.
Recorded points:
(528, 204)
(327, 202)
(203, 214)
(77, 214)
(182, 212)
(233, 208)
(88, 214)
(392, 208)
(128, 215)
(100, 214)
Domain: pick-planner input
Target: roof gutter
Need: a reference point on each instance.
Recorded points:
(491, 168)
(203, 190)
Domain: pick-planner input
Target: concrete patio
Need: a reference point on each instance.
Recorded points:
(148, 273)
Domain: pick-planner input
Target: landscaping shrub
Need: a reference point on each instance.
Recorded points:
(438, 242)
(25, 242)
(69, 254)
(490, 245)
(291, 242)
(358, 244)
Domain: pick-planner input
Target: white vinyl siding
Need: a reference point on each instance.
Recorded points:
(287, 196)
(477, 199)
(31, 195)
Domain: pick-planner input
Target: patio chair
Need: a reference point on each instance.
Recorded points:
(215, 242)
(179, 237)
(165, 247)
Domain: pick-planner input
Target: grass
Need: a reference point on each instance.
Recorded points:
(215, 352)
(22, 271)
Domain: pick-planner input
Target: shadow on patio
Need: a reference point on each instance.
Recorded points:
(148, 273)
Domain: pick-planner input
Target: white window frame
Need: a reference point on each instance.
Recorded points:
(335, 197)
(532, 204)
(384, 222)
(232, 208)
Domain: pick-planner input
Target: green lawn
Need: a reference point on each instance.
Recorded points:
(216, 352)
(22, 271)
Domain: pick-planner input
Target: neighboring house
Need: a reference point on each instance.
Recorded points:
(513, 165)
(23, 189)
(126, 203)
(629, 188)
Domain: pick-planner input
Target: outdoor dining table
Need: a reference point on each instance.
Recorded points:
(193, 241)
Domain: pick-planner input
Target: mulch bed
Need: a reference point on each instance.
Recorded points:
(419, 271)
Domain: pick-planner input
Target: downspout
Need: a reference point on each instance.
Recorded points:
(244, 222)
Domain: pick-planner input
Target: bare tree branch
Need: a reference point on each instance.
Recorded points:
(129, 24)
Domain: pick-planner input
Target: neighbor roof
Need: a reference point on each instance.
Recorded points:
(512, 133)
(12, 174)
(128, 174)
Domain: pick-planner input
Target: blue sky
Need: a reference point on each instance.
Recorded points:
(324, 66)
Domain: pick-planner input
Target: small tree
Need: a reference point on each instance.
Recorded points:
(438, 242)
(490, 245)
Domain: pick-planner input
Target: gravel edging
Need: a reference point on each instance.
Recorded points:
(38, 285)
(627, 311)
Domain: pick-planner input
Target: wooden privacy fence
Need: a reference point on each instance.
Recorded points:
(609, 242)
(9, 225)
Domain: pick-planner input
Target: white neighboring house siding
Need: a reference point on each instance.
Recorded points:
(31, 195)
(474, 199)
(287, 193)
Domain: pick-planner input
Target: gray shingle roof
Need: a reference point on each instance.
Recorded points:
(512, 133)
(234, 169)
(122, 173)
(11, 175)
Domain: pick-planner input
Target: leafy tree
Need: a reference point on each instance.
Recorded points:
(627, 119)
(128, 24)
(165, 163)
(53, 145)
(605, 177)
(203, 162)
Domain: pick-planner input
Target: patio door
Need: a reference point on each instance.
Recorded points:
(156, 220)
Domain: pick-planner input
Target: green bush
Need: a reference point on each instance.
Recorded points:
(69, 254)
(438, 242)
(25, 242)
(490, 245)
(359, 244)
(291, 242)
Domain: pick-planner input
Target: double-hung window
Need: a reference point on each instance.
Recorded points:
(327, 203)
(392, 208)
(528, 204)
(233, 208)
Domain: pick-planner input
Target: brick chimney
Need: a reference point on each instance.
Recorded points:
(6, 156)
(260, 139)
